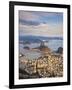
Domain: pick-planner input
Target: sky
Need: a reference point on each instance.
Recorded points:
(40, 23)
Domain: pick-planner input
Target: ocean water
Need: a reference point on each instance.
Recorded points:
(52, 43)
(30, 54)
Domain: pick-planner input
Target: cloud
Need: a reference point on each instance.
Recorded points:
(41, 30)
(48, 14)
(28, 15)
(27, 22)
(36, 17)
(40, 23)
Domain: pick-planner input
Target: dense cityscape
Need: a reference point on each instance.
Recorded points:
(50, 64)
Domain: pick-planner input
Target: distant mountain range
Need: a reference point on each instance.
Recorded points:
(38, 38)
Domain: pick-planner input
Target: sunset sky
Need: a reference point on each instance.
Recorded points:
(40, 23)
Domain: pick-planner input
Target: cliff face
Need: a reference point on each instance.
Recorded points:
(49, 65)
